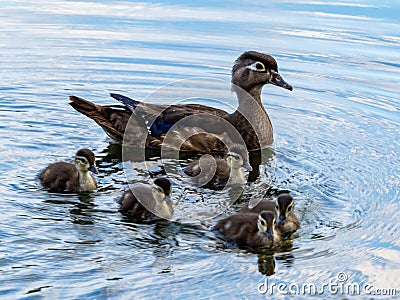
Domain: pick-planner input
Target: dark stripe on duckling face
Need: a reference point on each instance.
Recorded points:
(286, 207)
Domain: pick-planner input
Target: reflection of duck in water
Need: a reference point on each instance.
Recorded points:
(251, 71)
(74, 177)
(154, 201)
(216, 173)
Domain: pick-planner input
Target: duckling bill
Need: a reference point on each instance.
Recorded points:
(74, 177)
(148, 202)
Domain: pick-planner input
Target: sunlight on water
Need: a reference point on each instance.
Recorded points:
(336, 146)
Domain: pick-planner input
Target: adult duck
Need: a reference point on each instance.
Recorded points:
(251, 71)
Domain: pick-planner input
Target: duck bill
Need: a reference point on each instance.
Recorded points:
(281, 221)
(167, 199)
(270, 235)
(277, 80)
(93, 169)
(247, 166)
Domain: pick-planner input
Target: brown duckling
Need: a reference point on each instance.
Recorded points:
(251, 230)
(287, 221)
(216, 173)
(75, 177)
(284, 207)
(251, 71)
(154, 201)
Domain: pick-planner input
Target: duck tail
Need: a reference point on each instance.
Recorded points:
(103, 116)
(128, 102)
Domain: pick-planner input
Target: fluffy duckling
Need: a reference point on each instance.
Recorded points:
(251, 230)
(216, 173)
(154, 201)
(284, 207)
(74, 177)
(287, 221)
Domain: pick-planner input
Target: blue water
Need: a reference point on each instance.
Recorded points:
(336, 146)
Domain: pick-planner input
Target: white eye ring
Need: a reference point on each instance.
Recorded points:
(257, 66)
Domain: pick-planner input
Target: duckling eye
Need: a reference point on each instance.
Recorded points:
(81, 159)
(262, 222)
(259, 66)
(289, 208)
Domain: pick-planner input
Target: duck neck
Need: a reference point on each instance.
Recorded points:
(162, 209)
(252, 116)
(86, 181)
(236, 176)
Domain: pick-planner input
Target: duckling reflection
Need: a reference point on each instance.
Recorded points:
(75, 177)
(154, 201)
(216, 173)
(251, 230)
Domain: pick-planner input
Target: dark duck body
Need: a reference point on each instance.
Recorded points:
(148, 202)
(216, 173)
(251, 71)
(250, 230)
(74, 177)
(284, 205)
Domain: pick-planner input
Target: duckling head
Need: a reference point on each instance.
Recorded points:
(238, 157)
(162, 189)
(266, 224)
(85, 161)
(286, 208)
(252, 70)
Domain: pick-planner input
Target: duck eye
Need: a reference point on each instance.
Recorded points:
(260, 66)
(289, 208)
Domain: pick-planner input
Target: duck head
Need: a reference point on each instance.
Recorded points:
(162, 189)
(85, 161)
(266, 224)
(238, 157)
(286, 208)
(252, 70)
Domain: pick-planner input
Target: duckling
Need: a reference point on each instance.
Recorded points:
(251, 71)
(287, 221)
(216, 173)
(75, 177)
(251, 230)
(154, 201)
(284, 207)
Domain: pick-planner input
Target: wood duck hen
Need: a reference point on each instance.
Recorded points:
(251, 71)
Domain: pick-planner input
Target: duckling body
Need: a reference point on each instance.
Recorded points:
(264, 204)
(216, 173)
(148, 202)
(250, 230)
(251, 71)
(284, 206)
(75, 177)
